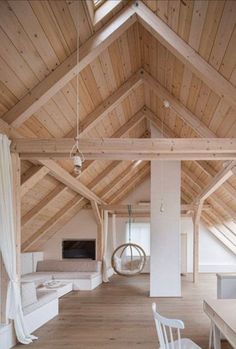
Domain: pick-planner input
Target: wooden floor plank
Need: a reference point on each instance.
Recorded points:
(118, 315)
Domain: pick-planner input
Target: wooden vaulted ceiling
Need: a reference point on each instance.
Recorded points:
(38, 36)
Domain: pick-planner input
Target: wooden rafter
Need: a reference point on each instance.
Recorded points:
(203, 165)
(136, 179)
(216, 182)
(216, 200)
(211, 172)
(185, 53)
(109, 104)
(184, 113)
(50, 223)
(97, 213)
(66, 178)
(138, 207)
(60, 189)
(31, 181)
(54, 82)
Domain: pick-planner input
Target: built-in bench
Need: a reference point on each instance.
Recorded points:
(226, 285)
(85, 275)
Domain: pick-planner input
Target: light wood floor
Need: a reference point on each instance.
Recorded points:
(118, 315)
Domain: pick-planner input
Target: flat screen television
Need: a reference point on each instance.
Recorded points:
(84, 249)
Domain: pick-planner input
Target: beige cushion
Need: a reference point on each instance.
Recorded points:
(28, 293)
(37, 278)
(74, 275)
(69, 266)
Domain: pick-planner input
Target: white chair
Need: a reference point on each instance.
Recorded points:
(165, 332)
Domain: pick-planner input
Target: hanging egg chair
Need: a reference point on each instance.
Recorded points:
(128, 259)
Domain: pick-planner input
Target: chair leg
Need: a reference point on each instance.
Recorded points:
(211, 339)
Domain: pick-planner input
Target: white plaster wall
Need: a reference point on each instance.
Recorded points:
(82, 226)
(214, 257)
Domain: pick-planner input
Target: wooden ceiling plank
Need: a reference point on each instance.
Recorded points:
(34, 211)
(30, 182)
(138, 178)
(60, 188)
(216, 199)
(108, 105)
(67, 70)
(184, 52)
(50, 223)
(216, 182)
(211, 172)
(184, 113)
(190, 175)
(218, 234)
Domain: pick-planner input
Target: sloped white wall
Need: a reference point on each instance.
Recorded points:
(214, 256)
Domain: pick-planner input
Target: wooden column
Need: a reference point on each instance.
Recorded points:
(196, 223)
(99, 220)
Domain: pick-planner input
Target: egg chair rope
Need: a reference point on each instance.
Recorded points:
(124, 264)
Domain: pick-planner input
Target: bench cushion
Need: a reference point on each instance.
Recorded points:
(69, 266)
(37, 277)
(74, 275)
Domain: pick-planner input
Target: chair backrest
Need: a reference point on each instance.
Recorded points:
(165, 331)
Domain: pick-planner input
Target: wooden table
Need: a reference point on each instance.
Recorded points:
(222, 313)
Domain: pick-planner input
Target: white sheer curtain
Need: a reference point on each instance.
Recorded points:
(140, 235)
(8, 244)
(104, 258)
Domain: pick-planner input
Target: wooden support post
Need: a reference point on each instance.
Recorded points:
(100, 239)
(99, 221)
(196, 222)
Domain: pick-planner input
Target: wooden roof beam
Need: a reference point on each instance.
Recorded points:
(185, 114)
(109, 104)
(71, 182)
(51, 222)
(169, 133)
(185, 53)
(128, 186)
(218, 234)
(137, 207)
(97, 213)
(211, 172)
(215, 199)
(130, 149)
(216, 182)
(67, 70)
(60, 189)
(33, 179)
(49, 225)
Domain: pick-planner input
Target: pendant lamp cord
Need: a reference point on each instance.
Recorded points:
(129, 210)
(77, 76)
